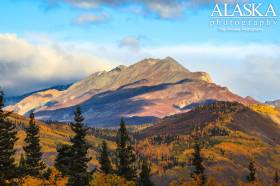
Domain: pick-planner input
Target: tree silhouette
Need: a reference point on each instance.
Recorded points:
(7, 142)
(252, 171)
(34, 165)
(21, 166)
(197, 161)
(144, 179)
(64, 159)
(276, 178)
(104, 161)
(125, 154)
(78, 174)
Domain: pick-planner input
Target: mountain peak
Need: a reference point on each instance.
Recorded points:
(166, 64)
(119, 68)
(170, 59)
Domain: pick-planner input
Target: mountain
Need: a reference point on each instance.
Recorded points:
(274, 103)
(15, 99)
(232, 115)
(141, 93)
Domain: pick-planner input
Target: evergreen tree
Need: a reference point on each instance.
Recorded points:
(64, 159)
(78, 176)
(21, 166)
(252, 171)
(7, 142)
(125, 154)
(104, 161)
(276, 178)
(144, 179)
(34, 165)
(197, 161)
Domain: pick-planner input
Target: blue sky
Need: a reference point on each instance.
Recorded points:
(58, 20)
(74, 38)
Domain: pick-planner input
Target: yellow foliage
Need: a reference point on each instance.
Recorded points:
(31, 181)
(265, 109)
(109, 180)
(55, 178)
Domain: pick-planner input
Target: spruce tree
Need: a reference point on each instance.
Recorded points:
(125, 154)
(144, 179)
(276, 178)
(21, 166)
(197, 161)
(104, 160)
(252, 171)
(64, 159)
(34, 165)
(78, 176)
(7, 142)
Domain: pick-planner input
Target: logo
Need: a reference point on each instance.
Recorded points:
(248, 17)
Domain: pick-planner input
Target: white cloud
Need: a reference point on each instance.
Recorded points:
(86, 19)
(131, 42)
(164, 9)
(25, 66)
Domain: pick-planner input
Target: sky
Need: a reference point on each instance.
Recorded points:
(50, 42)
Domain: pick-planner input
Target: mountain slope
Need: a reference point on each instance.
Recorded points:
(34, 101)
(145, 103)
(234, 116)
(143, 92)
(15, 99)
(230, 135)
(51, 135)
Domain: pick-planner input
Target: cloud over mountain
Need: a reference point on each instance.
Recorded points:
(25, 66)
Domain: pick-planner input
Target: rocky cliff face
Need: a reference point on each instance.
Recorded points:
(143, 92)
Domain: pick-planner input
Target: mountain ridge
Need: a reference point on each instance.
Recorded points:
(149, 89)
(232, 115)
(11, 100)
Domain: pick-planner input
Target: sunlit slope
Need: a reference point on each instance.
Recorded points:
(52, 135)
(232, 134)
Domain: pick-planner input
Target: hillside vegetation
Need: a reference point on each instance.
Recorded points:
(230, 134)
